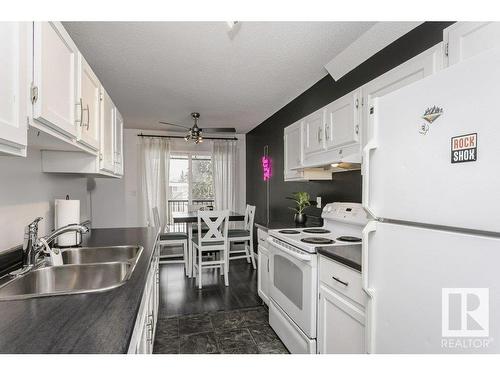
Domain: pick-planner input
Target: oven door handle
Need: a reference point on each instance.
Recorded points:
(294, 254)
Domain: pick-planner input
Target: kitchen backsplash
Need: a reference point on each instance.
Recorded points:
(26, 192)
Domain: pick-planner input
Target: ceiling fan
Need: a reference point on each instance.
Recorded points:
(195, 132)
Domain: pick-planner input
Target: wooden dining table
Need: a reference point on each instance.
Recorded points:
(191, 217)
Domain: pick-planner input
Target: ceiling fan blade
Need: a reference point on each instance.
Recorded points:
(218, 130)
(168, 123)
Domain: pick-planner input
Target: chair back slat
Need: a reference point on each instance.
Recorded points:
(249, 217)
(217, 224)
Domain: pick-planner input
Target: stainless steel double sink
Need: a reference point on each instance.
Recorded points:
(84, 270)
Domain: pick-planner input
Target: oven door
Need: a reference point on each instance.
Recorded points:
(293, 283)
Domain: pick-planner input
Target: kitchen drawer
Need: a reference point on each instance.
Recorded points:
(341, 278)
(262, 237)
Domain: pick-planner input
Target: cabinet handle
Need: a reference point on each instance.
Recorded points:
(100, 156)
(319, 135)
(326, 132)
(80, 104)
(88, 117)
(340, 281)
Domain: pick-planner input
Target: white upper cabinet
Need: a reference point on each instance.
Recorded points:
(118, 143)
(88, 118)
(55, 72)
(420, 66)
(467, 39)
(342, 121)
(314, 133)
(293, 157)
(107, 111)
(293, 150)
(13, 88)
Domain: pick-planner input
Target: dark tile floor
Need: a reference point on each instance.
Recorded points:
(215, 319)
(242, 331)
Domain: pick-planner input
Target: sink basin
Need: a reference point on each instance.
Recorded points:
(86, 255)
(67, 279)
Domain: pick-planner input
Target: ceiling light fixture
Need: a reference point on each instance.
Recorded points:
(195, 133)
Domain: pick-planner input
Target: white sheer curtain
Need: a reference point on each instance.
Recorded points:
(154, 167)
(224, 156)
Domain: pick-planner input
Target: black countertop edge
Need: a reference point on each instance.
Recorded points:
(286, 224)
(101, 322)
(349, 255)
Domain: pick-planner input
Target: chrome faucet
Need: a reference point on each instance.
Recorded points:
(33, 245)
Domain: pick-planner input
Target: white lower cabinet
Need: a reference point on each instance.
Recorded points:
(14, 88)
(263, 274)
(145, 327)
(341, 320)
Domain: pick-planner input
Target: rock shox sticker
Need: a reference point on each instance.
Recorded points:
(464, 148)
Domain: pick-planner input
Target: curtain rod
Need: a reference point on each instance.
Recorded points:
(181, 137)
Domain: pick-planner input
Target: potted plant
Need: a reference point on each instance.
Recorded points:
(302, 200)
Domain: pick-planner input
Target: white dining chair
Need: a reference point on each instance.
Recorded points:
(171, 239)
(214, 240)
(243, 235)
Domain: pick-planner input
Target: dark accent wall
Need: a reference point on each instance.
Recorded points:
(345, 186)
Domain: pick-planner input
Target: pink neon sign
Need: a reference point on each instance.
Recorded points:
(266, 168)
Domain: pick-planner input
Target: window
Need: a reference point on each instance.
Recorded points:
(190, 181)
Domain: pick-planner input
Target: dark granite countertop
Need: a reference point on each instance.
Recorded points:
(349, 255)
(83, 323)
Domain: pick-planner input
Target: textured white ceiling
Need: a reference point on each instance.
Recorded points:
(165, 70)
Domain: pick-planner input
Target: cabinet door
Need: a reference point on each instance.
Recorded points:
(118, 143)
(55, 64)
(293, 150)
(341, 325)
(88, 115)
(107, 112)
(263, 274)
(422, 65)
(313, 132)
(467, 39)
(13, 90)
(342, 121)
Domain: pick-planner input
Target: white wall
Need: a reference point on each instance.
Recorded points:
(26, 192)
(116, 203)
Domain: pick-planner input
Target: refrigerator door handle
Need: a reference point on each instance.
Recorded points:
(365, 255)
(370, 145)
(365, 264)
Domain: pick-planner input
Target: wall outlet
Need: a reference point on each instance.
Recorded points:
(318, 202)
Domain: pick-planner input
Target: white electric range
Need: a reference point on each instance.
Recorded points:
(293, 271)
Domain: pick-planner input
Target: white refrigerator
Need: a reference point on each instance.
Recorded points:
(431, 181)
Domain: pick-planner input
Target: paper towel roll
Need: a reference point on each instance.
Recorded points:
(67, 212)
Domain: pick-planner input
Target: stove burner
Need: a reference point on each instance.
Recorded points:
(316, 230)
(348, 239)
(317, 240)
(289, 231)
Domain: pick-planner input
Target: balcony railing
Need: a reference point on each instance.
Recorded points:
(182, 205)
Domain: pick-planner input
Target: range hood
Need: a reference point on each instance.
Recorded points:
(345, 159)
